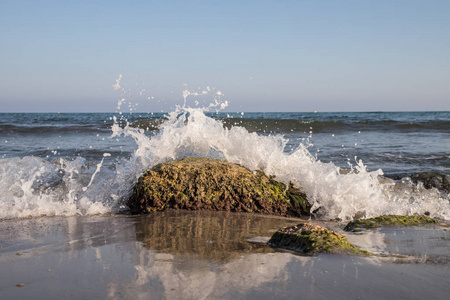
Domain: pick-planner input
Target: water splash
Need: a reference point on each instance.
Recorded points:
(335, 194)
(35, 187)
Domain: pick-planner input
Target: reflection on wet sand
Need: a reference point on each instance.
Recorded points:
(205, 255)
(206, 234)
(179, 278)
(420, 244)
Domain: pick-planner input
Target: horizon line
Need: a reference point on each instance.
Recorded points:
(165, 112)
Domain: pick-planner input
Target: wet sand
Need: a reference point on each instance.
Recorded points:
(211, 255)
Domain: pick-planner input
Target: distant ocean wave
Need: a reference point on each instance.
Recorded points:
(66, 129)
(252, 125)
(274, 125)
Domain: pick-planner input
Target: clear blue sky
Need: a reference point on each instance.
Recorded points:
(263, 55)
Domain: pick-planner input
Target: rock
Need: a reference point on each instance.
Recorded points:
(207, 184)
(389, 220)
(311, 239)
(428, 179)
(432, 180)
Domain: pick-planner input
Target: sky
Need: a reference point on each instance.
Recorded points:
(65, 56)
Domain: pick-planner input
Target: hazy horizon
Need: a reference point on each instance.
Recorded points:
(224, 111)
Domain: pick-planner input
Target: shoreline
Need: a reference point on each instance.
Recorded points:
(206, 254)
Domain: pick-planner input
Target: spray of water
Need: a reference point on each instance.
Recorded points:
(34, 187)
(189, 132)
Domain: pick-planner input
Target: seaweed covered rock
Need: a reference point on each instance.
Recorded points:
(311, 239)
(207, 184)
(389, 220)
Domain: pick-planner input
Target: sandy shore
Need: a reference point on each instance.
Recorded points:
(210, 255)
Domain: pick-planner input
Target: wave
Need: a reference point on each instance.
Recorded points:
(43, 129)
(292, 125)
(189, 132)
(277, 125)
(253, 122)
(34, 187)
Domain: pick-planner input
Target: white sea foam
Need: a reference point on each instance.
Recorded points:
(32, 186)
(189, 132)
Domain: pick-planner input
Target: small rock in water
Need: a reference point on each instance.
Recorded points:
(428, 179)
(432, 180)
(310, 239)
(389, 220)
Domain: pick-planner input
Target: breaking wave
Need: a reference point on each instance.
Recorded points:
(33, 186)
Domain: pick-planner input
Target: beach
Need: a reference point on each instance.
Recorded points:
(210, 255)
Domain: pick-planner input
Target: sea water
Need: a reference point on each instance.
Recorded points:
(60, 164)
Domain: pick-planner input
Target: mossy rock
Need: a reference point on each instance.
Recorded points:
(389, 220)
(311, 239)
(208, 184)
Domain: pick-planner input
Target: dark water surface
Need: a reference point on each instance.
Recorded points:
(396, 142)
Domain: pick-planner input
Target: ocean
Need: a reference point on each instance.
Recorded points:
(64, 164)
(66, 233)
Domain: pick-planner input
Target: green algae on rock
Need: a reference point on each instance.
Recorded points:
(310, 239)
(389, 220)
(208, 184)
